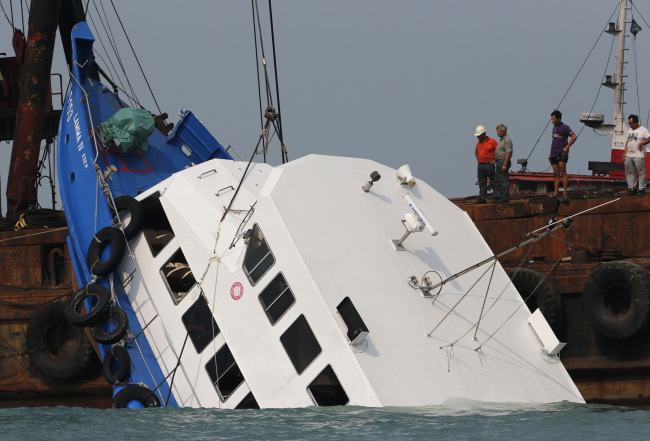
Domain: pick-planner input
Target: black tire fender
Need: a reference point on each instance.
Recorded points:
(133, 206)
(616, 299)
(102, 239)
(546, 297)
(135, 392)
(114, 335)
(55, 347)
(121, 355)
(97, 314)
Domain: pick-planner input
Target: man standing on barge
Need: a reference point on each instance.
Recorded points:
(502, 156)
(560, 152)
(634, 156)
(485, 157)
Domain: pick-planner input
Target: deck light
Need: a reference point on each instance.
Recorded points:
(374, 177)
(405, 176)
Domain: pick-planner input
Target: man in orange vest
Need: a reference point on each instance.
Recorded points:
(484, 152)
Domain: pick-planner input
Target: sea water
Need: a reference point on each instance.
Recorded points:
(457, 421)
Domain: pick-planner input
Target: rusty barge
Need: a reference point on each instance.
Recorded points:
(592, 280)
(44, 361)
(611, 370)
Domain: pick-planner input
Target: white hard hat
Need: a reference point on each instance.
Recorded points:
(479, 130)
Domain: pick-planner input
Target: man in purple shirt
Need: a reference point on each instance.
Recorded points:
(560, 152)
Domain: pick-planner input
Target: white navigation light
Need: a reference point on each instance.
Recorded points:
(417, 212)
(405, 176)
(412, 223)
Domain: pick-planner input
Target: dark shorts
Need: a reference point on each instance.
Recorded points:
(562, 157)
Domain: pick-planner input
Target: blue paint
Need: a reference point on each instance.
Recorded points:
(87, 105)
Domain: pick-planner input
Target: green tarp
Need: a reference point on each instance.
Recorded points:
(129, 128)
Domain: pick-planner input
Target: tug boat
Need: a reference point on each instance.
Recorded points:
(213, 282)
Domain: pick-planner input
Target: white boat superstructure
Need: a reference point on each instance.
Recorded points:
(297, 295)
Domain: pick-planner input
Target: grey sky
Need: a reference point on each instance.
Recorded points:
(397, 82)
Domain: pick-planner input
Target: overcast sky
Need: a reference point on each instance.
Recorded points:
(396, 82)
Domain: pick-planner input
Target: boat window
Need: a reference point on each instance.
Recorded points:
(258, 258)
(326, 390)
(249, 402)
(200, 324)
(277, 298)
(178, 276)
(156, 226)
(357, 330)
(224, 373)
(300, 343)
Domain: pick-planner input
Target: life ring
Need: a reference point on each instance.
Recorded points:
(545, 295)
(616, 299)
(102, 239)
(121, 355)
(120, 324)
(134, 392)
(56, 348)
(99, 311)
(132, 206)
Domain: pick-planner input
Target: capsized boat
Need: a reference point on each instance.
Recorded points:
(212, 282)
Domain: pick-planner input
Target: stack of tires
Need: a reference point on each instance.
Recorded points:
(92, 306)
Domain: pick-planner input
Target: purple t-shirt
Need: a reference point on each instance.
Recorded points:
(561, 134)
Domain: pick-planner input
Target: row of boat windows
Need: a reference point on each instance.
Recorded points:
(276, 298)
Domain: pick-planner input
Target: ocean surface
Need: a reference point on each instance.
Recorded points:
(456, 421)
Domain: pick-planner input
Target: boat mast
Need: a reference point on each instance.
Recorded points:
(619, 133)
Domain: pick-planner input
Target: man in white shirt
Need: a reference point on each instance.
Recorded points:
(634, 157)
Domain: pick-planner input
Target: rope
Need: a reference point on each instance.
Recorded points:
(461, 299)
(276, 120)
(277, 124)
(521, 262)
(257, 65)
(636, 74)
(639, 12)
(524, 302)
(107, 62)
(106, 191)
(11, 22)
(109, 35)
(611, 49)
(487, 291)
(600, 34)
(136, 58)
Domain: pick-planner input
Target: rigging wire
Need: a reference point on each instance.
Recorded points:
(257, 65)
(609, 57)
(639, 12)
(22, 15)
(109, 35)
(136, 58)
(276, 118)
(108, 24)
(278, 122)
(523, 303)
(636, 64)
(521, 263)
(10, 21)
(571, 85)
(269, 96)
(108, 62)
